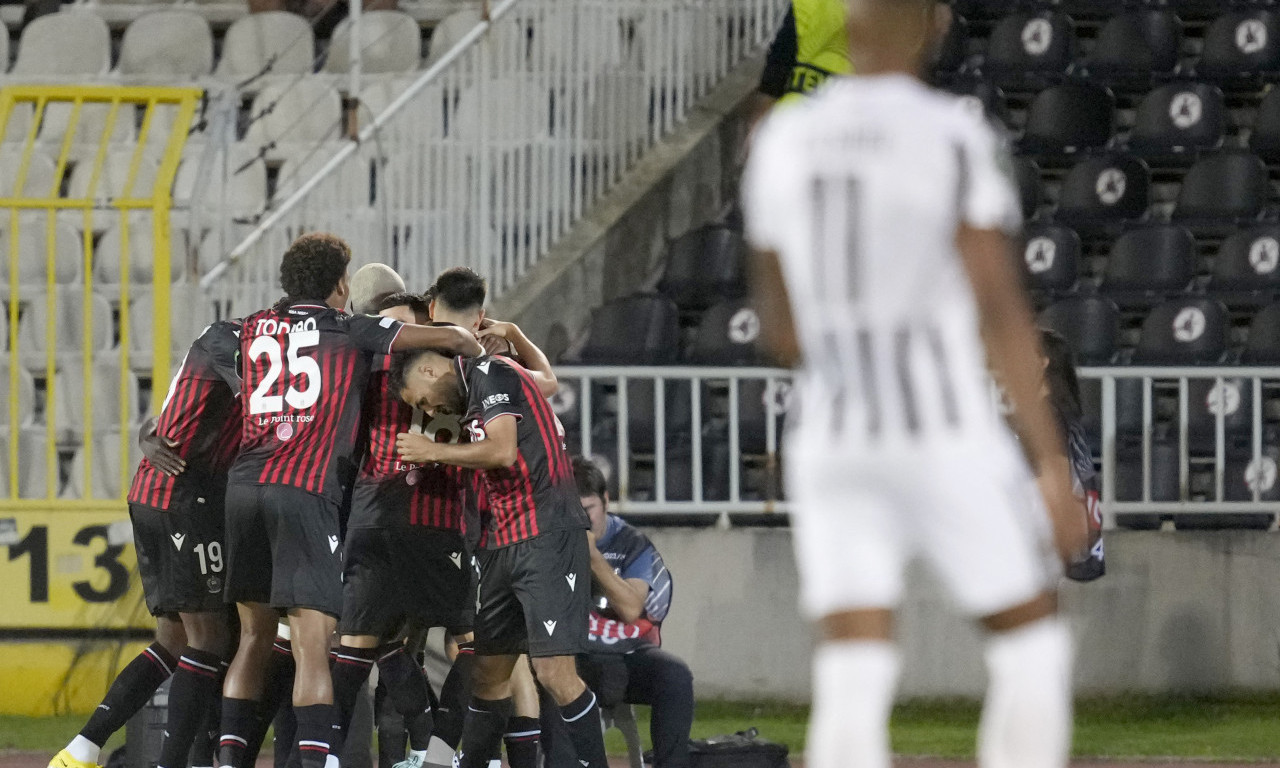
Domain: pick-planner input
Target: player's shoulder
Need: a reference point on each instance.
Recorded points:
(221, 332)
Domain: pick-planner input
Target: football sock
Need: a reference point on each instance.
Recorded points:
(482, 732)
(205, 742)
(455, 694)
(239, 723)
(392, 741)
(350, 667)
(277, 689)
(407, 688)
(195, 683)
(582, 722)
(853, 686)
(128, 693)
(521, 740)
(315, 728)
(1026, 718)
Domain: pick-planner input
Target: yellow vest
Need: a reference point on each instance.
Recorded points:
(822, 45)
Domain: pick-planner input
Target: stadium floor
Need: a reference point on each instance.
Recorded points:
(40, 760)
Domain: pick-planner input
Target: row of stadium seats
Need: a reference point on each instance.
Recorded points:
(69, 481)
(1199, 10)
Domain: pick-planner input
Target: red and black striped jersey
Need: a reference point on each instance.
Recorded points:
(305, 370)
(537, 494)
(202, 413)
(391, 492)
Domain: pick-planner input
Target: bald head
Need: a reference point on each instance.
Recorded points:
(370, 285)
(887, 36)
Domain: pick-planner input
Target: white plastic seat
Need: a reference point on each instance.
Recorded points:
(167, 45)
(244, 192)
(26, 391)
(389, 42)
(305, 112)
(40, 173)
(33, 254)
(113, 178)
(32, 463)
(19, 124)
(90, 125)
(64, 44)
(190, 313)
(515, 109)
(254, 40)
(68, 325)
(422, 118)
(109, 480)
(105, 407)
(449, 31)
(348, 186)
(4, 48)
(107, 273)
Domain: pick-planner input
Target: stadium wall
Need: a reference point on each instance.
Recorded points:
(1177, 612)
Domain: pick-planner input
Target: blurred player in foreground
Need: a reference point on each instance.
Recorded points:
(881, 213)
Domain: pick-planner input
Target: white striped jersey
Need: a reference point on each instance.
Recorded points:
(860, 191)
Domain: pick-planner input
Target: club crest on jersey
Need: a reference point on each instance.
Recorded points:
(214, 584)
(178, 538)
(550, 627)
(284, 431)
(573, 581)
(412, 477)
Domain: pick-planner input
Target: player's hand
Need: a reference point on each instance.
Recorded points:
(494, 345)
(495, 336)
(416, 448)
(465, 343)
(159, 451)
(1067, 512)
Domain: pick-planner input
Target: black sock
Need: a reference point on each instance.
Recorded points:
(205, 742)
(315, 729)
(521, 739)
(195, 684)
(129, 692)
(350, 667)
(277, 690)
(455, 694)
(482, 733)
(392, 741)
(239, 723)
(407, 687)
(582, 721)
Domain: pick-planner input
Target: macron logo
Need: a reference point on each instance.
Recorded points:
(551, 627)
(178, 538)
(333, 543)
(386, 322)
(484, 367)
(573, 581)
(456, 557)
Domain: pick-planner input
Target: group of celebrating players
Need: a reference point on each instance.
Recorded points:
(372, 474)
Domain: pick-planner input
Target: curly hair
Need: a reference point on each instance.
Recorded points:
(461, 289)
(313, 266)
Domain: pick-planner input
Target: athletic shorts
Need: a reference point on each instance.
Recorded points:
(407, 573)
(535, 596)
(970, 511)
(283, 548)
(180, 554)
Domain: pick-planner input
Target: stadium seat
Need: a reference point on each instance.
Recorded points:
(1028, 50)
(89, 128)
(1148, 264)
(305, 112)
(271, 42)
(952, 52)
(1228, 187)
(642, 412)
(200, 181)
(450, 31)
(107, 391)
(524, 102)
(40, 173)
(68, 321)
(1239, 47)
(1165, 482)
(33, 254)
(109, 479)
(1104, 190)
(62, 45)
(348, 188)
(165, 46)
(19, 125)
(1090, 323)
(983, 96)
(636, 330)
(1068, 119)
(1265, 138)
(113, 177)
(704, 266)
(389, 43)
(26, 396)
(1246, 271)
(986, 9)
(1176, 121)
(1030, 187)
(423, 117)
(1241, 475)
(190, 312)
(1205, 398)
(32, 464)
(1263, 344)
(1185, 331)
(107, 272)
(1133, 46)
(727, 335)
(4, 47)
(1051, 258)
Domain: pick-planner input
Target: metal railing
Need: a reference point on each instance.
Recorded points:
(498, 148)
(1170, 441)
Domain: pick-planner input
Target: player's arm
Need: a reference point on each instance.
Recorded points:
(450, 338)
(626, 596)
(778, 65)
(498, 450)
(159, 449)
(773, 304)
(531, 357)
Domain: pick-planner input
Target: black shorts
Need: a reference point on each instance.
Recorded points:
(406, 573)
(535, 596)
(180, 554)
(283, 548)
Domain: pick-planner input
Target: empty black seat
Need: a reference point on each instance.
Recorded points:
(1030, 187)
(705, 265)
(1239, 47)
(1128, 410)
(985, 9)
(1148, 264)
(1228, 187)
(1068, 119)
(636, 330)
(1104, 190)
(1028, 50)
(1263, 344)
(1133, 46)
(1205, 398)
(1242, 475)
(1265, 139)
(1177, 120)
(1186, 331)
(1165, 482)
(1247, 269)
(1051, 258)
(951, 53)
(983, 96)
(727, 335)
(1091, 324)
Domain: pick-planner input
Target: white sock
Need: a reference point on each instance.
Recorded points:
(495, 764)
(331, 761)
(84, 750)
(1026, 719)
(853, 686)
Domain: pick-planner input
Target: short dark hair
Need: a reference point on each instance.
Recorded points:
(1060, 375)
(417, 304)
(460, 288)
(313, 266)
(590, 478)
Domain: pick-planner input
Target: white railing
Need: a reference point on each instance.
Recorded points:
(497, 149)
(1172, 441)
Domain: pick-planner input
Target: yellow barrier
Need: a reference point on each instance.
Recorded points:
(57, 678)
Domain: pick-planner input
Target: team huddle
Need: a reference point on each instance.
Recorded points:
(372, 474)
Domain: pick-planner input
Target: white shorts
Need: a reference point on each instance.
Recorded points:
(973, 514)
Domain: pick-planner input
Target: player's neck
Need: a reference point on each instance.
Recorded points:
(871, 62)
